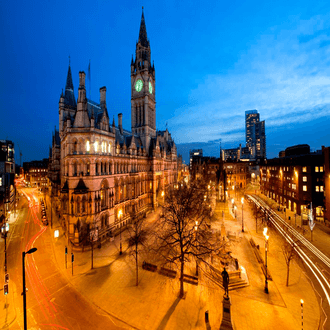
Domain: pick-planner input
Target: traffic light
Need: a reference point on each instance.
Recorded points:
(66, 250)
(6, 289)
(6, 278)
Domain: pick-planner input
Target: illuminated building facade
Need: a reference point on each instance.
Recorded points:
(7, 177)
(194, 153)
(36, 173)
(107, 172)
(297, 179)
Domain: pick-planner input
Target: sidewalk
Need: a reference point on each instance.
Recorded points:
(154, 304)
(321, 233)
(7, 303)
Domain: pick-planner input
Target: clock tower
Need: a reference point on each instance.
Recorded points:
(143, 101)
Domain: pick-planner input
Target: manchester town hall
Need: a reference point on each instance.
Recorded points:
(100, 173)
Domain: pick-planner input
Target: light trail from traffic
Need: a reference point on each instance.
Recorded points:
(41, 293)
(285, 230)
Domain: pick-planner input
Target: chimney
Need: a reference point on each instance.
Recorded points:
(103, 91)
(82, 76)
(120, 122)
(81, 89)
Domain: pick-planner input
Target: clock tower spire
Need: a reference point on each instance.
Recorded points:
(143, 101)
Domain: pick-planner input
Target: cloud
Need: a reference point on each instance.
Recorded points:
(285, 74)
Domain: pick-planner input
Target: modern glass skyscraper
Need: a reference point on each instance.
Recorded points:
(255, 134)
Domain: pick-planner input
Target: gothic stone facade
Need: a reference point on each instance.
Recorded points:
(108, 172)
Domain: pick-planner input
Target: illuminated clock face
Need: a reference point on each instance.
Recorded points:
(150, 87)
(138, 85)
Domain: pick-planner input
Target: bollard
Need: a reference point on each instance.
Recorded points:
(207, 316)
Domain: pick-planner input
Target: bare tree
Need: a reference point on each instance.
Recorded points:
(183, 230)
(289, 252)
(137, 237)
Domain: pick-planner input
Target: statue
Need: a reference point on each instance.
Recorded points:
(225, 281)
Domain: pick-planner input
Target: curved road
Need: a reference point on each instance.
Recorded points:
(52, 303)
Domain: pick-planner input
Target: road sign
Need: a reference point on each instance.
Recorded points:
(6, 278)
(6, 289)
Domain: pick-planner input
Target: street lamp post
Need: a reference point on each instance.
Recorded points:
(196, 228)
(5, 229)
(24, 290)
(302, 313)
(266, 247)
(120, 213)
(242, 200)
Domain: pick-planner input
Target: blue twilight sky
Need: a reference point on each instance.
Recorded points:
(213, 61)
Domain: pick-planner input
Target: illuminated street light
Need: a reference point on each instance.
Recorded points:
(266, 247)
(24, 290)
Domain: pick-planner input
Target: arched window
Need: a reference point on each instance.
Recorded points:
(75, 169)
(75, 147)
(88, 147)
(104, 194)
(88, 168)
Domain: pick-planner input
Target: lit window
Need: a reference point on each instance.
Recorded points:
(305, 178)
(304, 188)
(102, 146)
(305, 169)
(96, 145)
(321, 188)
(321, 168)
(0, 182)
(109, 148)
(316, 168)
(294, 186)
(88, 146)
(317, 188)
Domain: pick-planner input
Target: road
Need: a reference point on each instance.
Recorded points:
(52, 303)
(316, 262)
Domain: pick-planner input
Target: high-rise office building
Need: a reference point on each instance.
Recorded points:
(255, 134)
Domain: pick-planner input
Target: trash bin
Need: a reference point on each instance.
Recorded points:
(207, 316)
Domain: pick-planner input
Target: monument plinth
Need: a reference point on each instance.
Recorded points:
(226, 318)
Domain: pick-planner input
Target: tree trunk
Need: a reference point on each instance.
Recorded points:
(137, 268)
(287, 274)
(181, 279)
(92, 257)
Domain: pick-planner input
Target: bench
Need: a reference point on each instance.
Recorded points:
(150, 267)
(167, 272)
(190, 279)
